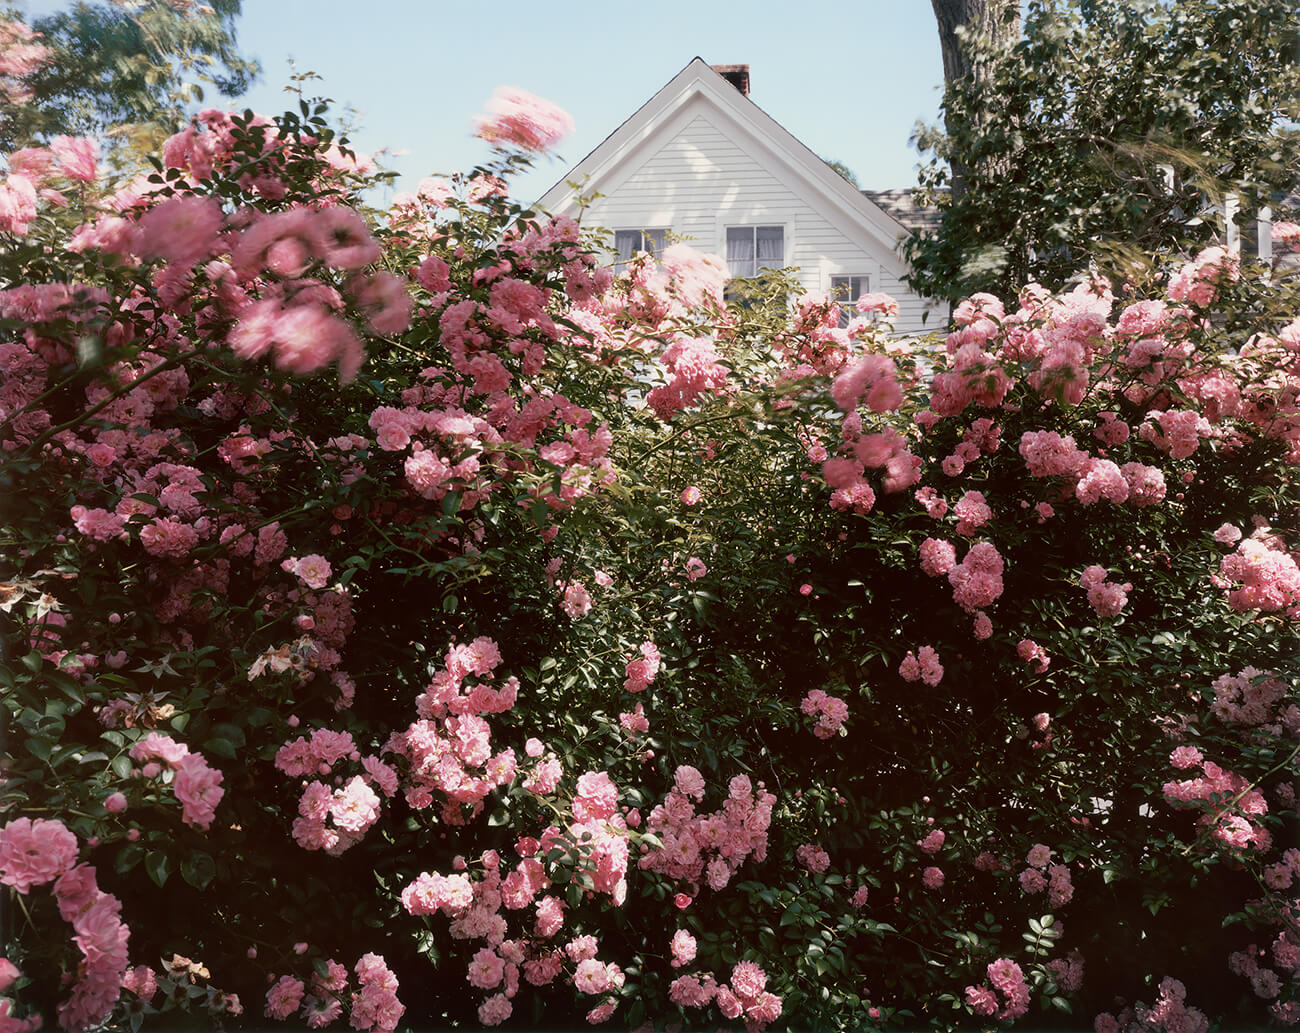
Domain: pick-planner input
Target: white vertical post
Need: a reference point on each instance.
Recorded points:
(1266, 235)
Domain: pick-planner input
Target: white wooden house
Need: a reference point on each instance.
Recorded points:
(702, 161)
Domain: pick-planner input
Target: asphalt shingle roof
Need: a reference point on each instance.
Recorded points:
(901, 204)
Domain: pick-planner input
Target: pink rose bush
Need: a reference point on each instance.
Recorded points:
(362, 640)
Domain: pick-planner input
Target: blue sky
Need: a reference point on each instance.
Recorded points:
(850, 79)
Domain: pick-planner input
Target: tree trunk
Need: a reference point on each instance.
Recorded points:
(994, 20)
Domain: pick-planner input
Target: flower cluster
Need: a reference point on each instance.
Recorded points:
(1032, 653)
(196, 785)
(375, 1005)
(708, 848)
(812, 857)
(745, 996)
(1199, 281)
(1269, 578)
(101, 936)
(448, 751)
(1265, 980)
(641, 671)
(1104, 596)
(977, 580)
(20, 56)
(830, 712)
(922, 665)
(1254, 697)
(1009, 981)
(1056, 880)
(1169, 1014)
(1227, 802)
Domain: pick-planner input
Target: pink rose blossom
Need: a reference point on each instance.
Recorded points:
(486, 969)
(596, 798)
(314, 570)
(689, 781)
(495, 1010)
(576, 601)
(77, 156)
(33, 853)
(683, 948)
(1039, 855)
(748, 979)
(932, 843)
(1228, 534)
(283, 998)
(1033, 881)
(517, 118)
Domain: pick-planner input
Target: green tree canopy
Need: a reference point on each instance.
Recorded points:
(128, 63)
(1107, 128)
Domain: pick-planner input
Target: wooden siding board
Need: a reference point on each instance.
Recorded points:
(700, 180)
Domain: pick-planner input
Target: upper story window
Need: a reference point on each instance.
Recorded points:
(628, 242)
(751, 249)
(846, 290)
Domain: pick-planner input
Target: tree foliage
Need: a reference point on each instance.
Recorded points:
(118, 64)
(846, 173)
(1107, 129)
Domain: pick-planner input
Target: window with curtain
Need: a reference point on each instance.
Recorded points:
(628, 242)
(846, 290)
(751, 249)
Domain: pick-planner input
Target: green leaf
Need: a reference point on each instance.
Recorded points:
(199, 869)
(221, 747)
(128, 857)
(159, 866)
(258, 717)
(233, 733)
(39, 748)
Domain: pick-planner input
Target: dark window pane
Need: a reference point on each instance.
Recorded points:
(771, 246)
(627, 243)
(740, 250)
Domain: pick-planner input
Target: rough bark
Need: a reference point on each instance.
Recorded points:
(995, 20)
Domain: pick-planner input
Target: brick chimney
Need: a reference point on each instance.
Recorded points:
(737, 75)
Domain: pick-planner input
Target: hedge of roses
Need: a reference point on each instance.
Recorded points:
(411, 621)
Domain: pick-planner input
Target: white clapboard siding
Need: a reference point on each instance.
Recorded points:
(700, 157)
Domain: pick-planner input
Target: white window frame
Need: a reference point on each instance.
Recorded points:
(753, 265)
(847, 299)
(657, 238)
